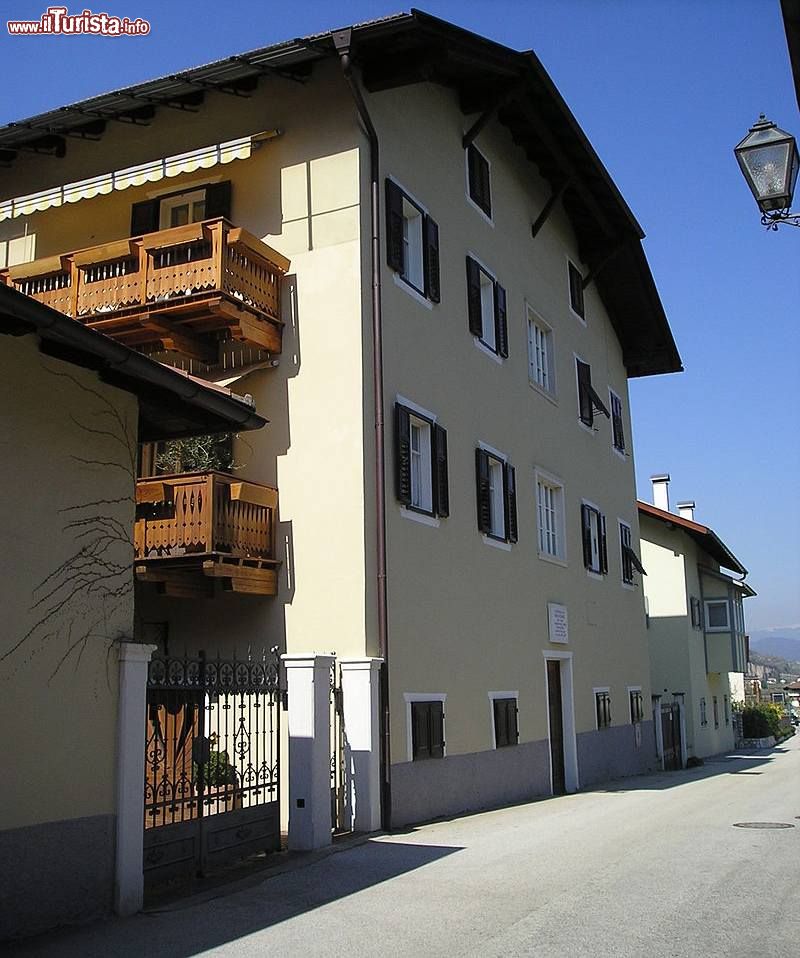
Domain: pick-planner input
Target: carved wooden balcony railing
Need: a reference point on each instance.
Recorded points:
(198, 527)
(189, 289)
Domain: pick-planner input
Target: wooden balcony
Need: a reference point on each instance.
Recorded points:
(190, 289)
(198, 528)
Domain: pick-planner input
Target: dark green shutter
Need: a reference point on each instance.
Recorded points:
(218, 200)
(510, 502)
(585, 405)
(500, 322)
(420, 730)
(436, 713)
(474, 297)
(440, 486)
(394, 226)
(500, 723)
(431, 250)
(144, 217)
(482, 491)
(576, 290)
(586, 535)
(601, 533)
(402, 447)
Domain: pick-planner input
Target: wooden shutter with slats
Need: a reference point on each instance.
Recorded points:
(474, 297)
(586, 535)
(218, 200)
(431, 255)
(500, 322)
(483, 491)
(394, 226)
(510, 502)
(144, 217)
(402, 447)
(440, 485)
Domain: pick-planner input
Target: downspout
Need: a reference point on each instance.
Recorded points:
(341, 41)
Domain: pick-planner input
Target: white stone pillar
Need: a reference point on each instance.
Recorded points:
(131, 739)
(308, 680)
(361, 701)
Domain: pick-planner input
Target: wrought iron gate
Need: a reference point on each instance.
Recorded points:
(339, 804)
(212, 763)
(671, 736)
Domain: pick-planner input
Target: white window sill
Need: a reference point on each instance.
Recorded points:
(549, 396)
(481, 213)
(554, 560)
(597, 576)
(420, 517)
(590, 429)
(412, 291)
(621, 454)
(630, 586)
(497, 543)
(577, 316)
(483, 348)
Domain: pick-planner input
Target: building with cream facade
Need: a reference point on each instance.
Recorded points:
(446, 240)
(696, 629)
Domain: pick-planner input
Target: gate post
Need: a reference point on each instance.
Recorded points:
(361, 695)
(309, 687)
(131, 738)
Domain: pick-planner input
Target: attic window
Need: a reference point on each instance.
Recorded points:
(480, 189)
(576, 292)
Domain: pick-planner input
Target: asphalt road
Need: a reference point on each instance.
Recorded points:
(648, 866)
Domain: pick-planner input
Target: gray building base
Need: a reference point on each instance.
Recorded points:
(56, 873)
(465, 783)
(613, 753)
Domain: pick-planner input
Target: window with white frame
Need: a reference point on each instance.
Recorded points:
(593, 530)
(636, 705)
(602, 707)
(486, 305)
(541, 365)
(496, 496)
(576, 300)
(420, 462)
(628, 558)
(617, 424)
(717, 615)
(412, 242)
(479, 180)
(550, 516)
(182, 208)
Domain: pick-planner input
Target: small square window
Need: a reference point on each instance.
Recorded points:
(637, 705)
(427, 730)
(717, 619)
(480, 191)
(541, 365)
(576, 301)
(602, 705)
(505, 722)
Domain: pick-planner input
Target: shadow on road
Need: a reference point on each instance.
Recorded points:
(733, 763)
(200, 927)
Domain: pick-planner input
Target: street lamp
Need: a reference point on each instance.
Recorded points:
(769, 162)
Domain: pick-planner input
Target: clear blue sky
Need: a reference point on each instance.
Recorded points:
(664, 89)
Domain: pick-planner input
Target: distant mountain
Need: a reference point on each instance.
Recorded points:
(784, 643)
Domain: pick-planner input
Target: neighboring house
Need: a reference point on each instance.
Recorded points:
(696, 632)
(73, 406)
(458, 249)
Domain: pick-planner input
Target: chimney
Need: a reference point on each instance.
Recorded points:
(686, 510)
(661, 491)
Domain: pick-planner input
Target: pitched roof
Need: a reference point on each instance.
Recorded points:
(705, 537)
(171, 402)
(415, 47)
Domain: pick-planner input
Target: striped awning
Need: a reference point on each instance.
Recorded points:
(151, 172)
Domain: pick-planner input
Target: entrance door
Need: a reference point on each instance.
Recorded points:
(671, 735)
(555, 707)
